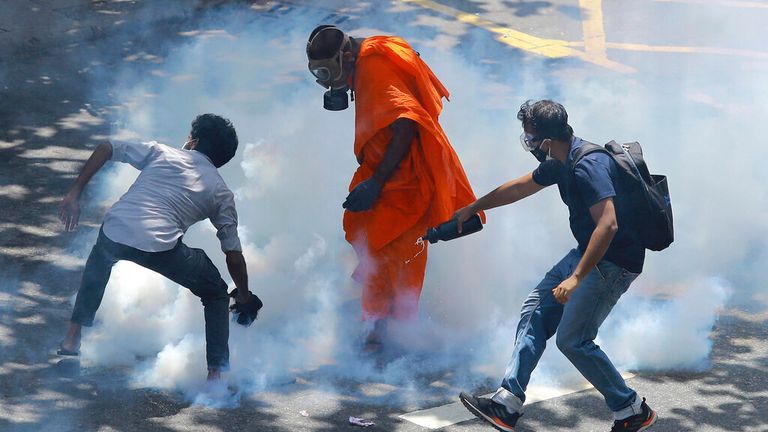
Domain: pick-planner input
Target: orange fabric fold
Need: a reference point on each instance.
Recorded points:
(391, 288)
(391, 82)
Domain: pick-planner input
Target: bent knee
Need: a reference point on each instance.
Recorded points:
(213, 291)
(567, 343)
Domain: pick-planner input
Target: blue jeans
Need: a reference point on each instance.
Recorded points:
(578, 320)
(188, 267)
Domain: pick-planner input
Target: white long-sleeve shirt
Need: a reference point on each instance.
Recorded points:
(176, 188)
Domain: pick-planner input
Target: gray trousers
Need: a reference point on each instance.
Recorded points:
(188, 267)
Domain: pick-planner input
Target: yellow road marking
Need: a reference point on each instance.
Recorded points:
(546, 47)
(681, 49)
(552, 48)
(592, 28)
(594, 43)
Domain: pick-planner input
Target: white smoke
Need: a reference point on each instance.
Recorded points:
(643, 334)
(291, 175)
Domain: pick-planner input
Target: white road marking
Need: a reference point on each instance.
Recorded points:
(452, 413)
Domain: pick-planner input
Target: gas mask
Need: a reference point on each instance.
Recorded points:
(328, 72)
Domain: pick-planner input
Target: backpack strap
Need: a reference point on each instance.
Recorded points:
(585, 149)
(616, 150)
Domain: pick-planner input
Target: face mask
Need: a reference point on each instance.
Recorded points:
(539, 154)
(529, 141)
(329, 72)
(188, 143)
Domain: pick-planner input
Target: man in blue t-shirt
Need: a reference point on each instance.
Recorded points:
(578, 293)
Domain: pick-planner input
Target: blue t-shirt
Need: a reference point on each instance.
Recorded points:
(596, 178)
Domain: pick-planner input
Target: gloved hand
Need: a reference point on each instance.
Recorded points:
(246, 313)
(363, 196)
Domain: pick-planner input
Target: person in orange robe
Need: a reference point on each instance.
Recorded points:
(409, 177)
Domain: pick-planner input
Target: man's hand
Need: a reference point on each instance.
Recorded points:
(69, 210)
(606, 227)
(242, 297)
(563, 291)
(245, 312)
(463, 214)
(363, 196)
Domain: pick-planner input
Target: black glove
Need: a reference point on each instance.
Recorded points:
(246, 313)
(363, 196)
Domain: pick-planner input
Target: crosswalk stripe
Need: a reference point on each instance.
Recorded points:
(452, 413)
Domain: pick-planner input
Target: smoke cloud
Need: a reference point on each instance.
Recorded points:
(291, 175)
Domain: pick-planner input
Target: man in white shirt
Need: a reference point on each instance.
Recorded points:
(176, 188)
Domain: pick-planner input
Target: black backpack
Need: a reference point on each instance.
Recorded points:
(649, 192)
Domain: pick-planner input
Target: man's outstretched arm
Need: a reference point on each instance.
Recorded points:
(507, 193)
(69, 208)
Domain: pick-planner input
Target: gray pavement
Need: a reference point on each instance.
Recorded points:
(59, 62)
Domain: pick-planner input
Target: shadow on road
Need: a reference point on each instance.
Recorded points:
(56, 106)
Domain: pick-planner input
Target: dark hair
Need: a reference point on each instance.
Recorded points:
(216, 138)
(325, 46)
(547, 118)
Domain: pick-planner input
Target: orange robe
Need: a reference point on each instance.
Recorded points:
(391, 81)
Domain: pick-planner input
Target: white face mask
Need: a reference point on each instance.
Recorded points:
(187, 144)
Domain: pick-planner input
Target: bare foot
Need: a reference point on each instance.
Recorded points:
(71, 342)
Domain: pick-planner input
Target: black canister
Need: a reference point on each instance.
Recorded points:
(450, 230)
(336, 99)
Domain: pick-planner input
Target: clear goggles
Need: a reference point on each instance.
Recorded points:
(529, 141)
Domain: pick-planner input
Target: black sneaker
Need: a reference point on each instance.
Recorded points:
(637, 422)
(494, 413)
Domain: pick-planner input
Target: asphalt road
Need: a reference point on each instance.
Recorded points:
(60, 58)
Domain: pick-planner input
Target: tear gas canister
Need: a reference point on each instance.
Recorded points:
(450, 230)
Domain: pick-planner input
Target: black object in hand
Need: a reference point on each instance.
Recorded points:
(246, 313)
(450, 230)
(363, 196)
